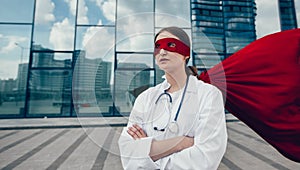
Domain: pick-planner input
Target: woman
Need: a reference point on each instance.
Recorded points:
(178, 124)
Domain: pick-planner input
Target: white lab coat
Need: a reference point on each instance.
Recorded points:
(201, 116)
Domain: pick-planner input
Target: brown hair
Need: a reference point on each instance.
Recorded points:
(178, 32)
(193, 70)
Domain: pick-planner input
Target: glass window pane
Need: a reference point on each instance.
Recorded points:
(135, 33)
(135, 26)
(132, 7)
(134, 61)
(92, 78)
(51, 59)
(139, 42)
(206, 40)
(159, 75)
(96, 42)
(234, 44)
(54, 24)
(93, 71)
(14, 52)
(16, 11)
(96, 12)
(128, 85)
(207, 61)
(167, 13)
(50, 92)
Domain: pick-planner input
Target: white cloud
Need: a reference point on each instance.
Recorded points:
(97, 42)
(267, 19)
(44, 11)
(107, 7)
(132, 25)
(297, 6)
(72, 6)
(171, 16)
(61, 35)
(98, 2)
(82, 10)
(134, 32)
(10, 43)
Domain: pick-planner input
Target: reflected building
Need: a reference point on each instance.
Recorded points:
(98, 61)
(46, 78)
(128, 78)
(91, 79)
(22, 76)
(8, 90)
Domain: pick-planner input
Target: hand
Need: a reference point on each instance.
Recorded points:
(185, 142)
(163, 148)
(136, 132)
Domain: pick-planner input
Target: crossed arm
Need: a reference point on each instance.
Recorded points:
(162, 148)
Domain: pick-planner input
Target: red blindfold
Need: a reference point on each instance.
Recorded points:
(173, 45)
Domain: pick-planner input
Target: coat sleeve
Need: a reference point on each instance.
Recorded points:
(135, 153)
(210, 138)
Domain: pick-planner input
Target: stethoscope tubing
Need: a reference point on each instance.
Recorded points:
(180, 104)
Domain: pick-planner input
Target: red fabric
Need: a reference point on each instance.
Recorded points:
(171, 44)
(261, 83)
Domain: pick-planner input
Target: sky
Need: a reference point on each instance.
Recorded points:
(55, 27)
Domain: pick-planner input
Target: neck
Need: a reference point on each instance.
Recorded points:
(176, 80)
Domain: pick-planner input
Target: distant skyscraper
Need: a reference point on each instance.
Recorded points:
(22, 76)
(220, 28)
(287, 13)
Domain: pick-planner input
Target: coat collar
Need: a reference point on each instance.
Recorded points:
(191, 86)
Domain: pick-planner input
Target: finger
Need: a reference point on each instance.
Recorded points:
(132, 133)
(137, 131)
(140, 132)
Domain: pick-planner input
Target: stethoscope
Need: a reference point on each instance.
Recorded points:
(173, 126)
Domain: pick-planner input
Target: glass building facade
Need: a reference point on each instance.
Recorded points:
(92, 58)
(220, 28)
(288, 19)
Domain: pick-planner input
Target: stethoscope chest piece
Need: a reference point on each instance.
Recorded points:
(173, 127)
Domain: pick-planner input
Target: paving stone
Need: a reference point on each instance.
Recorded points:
(51, 144)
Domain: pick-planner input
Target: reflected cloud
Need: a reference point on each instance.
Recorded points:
(134, 33)
(82, 10)
(167, 20)
(106, 7)
(173, 10)
(98, 41)
(44, 11)
(61, 35)
(133, 7)
(9, 43)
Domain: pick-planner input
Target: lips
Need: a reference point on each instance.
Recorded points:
(163, 60)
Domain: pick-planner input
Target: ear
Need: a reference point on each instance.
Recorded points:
(187, 58)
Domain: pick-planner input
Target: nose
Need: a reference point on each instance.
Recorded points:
(162, 52)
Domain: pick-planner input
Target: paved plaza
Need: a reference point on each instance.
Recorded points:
(91, 143)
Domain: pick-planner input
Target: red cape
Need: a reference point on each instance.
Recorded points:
(261, 83)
